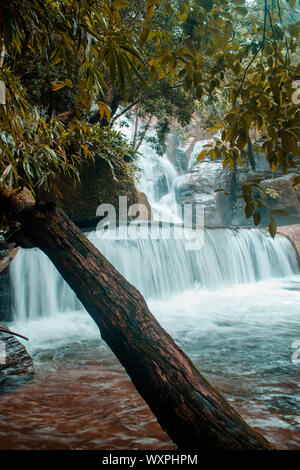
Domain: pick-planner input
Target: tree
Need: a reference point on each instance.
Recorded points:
(35, 147)
(251, 51)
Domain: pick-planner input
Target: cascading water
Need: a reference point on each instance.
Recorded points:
(232, 305)
(157, 180)
(158, 268)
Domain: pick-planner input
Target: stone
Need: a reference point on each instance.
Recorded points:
(80, 199)
(6, 257)
(14, 358)
(292, 233)
(177, 154)
(197, 186)
(207, 183)
(145, 214)
(282, 194)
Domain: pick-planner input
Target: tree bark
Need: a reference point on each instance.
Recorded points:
(188, 408)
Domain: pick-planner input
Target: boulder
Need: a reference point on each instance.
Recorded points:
(97, 186)
(5, 296)
(198, 186)
(292, 232)
(145, 214)
(176, 154)
(14, 358)
(6, 257)
(207, 183)
(281, 194)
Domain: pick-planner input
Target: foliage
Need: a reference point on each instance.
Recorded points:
(250, 50)
(41, 39)
(163, 54)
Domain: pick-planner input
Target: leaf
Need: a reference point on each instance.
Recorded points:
(296, 181)
(150, 12)
(201, 155)
(272, 228)
(280, 212)
(6, 171)
(199, 92)
(273, 167)
(168, 9)
(119, 4)
(249, 209)
(256, 218)
(104, 110)
(58, 86)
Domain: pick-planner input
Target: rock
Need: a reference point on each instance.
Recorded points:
(97, 186)
(6, 257)
(207, 183)
(145, 214)
(176, 153)
(292, 232)
(181, 160)
(197, 187)
(160, 179)
(14, 358)
(5, 296)
(282, 195)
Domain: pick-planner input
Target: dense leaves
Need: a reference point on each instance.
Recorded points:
(58, 52)
(159, 58)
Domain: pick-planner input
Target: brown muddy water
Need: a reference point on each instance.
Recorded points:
(240, 338)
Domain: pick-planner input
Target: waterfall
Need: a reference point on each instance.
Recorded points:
(161, 267)
(158, 176)
(158, 268)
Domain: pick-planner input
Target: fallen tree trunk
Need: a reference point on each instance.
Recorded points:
(188, 408)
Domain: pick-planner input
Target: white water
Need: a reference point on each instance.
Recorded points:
(156, 171)
(158, 268)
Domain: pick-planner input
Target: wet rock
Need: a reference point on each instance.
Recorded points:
(197, 186)
(160, 187)
(97, 186)
(292, 232)
(282, 195)
(14, 358)
(146, 213)
(176, 153)
(207, 183)
(6, 257)
(181, 160)
(5, 296)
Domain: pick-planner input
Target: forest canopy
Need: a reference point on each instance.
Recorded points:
(67, 67)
